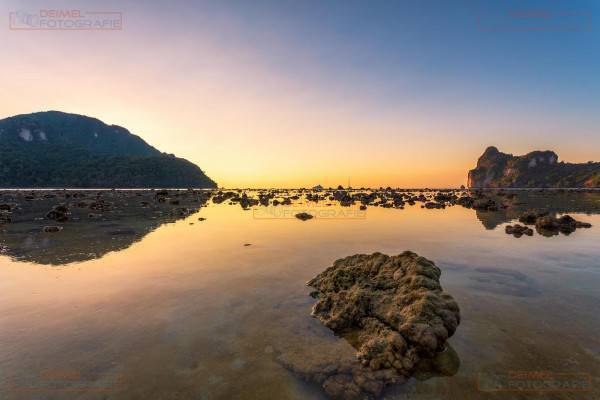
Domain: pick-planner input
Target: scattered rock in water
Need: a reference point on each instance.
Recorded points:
(442, 197)
(394, 313)
(100, 205)
(304, 216)
(529, 218)
(434, 205)
(548, 225)
(53, 228)
(485, 205)
(7, 206)
(201, 219)
(466, 201)
(5, 217)
(518, 230)
(58, 213)
(220, 196)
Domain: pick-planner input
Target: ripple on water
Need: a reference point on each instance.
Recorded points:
(504, 282)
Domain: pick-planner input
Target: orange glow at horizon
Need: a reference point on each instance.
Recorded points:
(247, 121)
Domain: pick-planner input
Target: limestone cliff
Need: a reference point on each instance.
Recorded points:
(536, 169)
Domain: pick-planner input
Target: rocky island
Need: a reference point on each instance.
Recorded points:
(538, 169)
(59, 150)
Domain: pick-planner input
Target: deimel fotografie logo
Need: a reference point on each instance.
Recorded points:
(65, 20)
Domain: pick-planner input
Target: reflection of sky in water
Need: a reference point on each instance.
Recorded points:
(189, 309)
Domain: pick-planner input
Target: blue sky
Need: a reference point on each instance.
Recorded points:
(420, 86)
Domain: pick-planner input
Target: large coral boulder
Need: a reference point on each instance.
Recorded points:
(391, 309)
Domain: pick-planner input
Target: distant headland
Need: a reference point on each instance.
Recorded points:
(538, 169)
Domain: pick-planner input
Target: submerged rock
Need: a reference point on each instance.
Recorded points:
(4, 217)
(466, 201)
(53, 228)
(433, 205)
(518, 230)
(100, 205)
(485, 204)
(445, 363)
(58, 213)
(549, 225)
(529, 218)
(304, 216)
(7, 206)
(394, 313)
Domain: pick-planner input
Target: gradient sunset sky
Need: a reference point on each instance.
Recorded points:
(295, 93)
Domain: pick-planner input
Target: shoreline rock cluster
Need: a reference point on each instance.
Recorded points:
(546, 225)
(382, 197)
(392, 310)
(490, 204)
(518, 230)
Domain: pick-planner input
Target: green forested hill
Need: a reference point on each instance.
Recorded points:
(55, 149)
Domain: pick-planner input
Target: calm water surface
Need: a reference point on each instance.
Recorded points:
(189, 311)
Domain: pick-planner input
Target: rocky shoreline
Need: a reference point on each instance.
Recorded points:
(44, 214)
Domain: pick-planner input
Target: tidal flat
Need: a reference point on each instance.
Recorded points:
(178, 294)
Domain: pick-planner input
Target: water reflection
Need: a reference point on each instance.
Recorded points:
(553, 202)
(445, 363)
(190, 312)
(94, 222)
(503, 281)
(128, 216)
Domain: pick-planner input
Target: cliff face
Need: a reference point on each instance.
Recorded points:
(536, 169)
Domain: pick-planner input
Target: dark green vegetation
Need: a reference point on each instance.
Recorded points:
(538, 169)
(55, 149)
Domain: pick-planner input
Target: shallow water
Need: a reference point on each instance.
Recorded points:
(189, 311)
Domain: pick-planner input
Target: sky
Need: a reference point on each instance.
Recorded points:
(298, 93)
